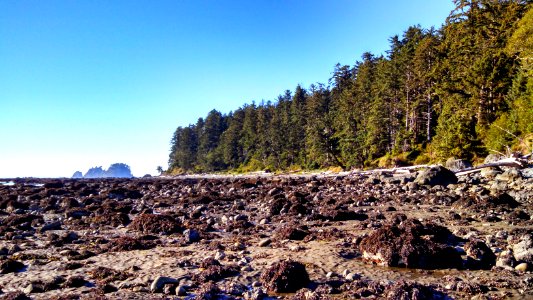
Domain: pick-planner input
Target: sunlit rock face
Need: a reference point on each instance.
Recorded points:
(118, 170)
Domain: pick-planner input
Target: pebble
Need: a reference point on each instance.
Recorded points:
(345, 273)
(330, 274)
(521, 267)
(352, 276)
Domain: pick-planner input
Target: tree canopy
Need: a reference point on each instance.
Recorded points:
(461, 90)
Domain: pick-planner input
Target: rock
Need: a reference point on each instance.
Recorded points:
(264, 242)
(255, 294)
(181, 290)
(10, 266)
(292, 233)
(216, 273)
(498, 186)
(505, 260)
(169, 289)
(220, 255)
(489, 173)
(51, 226)
(411, 245)
(191, 235)
(522, 267)
(411, 290)
(13, 249)
(480, 256)
(509, 175)
(455, 165)
(30, 288)
(352, 276)
(75, 281)
(155, 224)
(15, 296)
(438, 175)
(523, 251)
(208, 291)
(285, 276)
(527, 172)
(491, 158)
(158, 283)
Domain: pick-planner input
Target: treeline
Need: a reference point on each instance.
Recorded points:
(460, 91)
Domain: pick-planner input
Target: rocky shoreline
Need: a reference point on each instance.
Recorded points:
(425, 235)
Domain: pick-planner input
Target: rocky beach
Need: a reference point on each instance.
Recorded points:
(420, 235)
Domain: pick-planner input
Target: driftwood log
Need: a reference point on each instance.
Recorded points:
(513, 162)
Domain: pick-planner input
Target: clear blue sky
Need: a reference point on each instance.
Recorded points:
(90, 83)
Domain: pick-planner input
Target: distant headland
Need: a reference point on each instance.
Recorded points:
(117, 170)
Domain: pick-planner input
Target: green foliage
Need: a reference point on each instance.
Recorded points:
(460, 91)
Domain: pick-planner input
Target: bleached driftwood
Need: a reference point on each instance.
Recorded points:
(395, 170)
(514, 162)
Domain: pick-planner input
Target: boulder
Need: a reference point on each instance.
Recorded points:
(455, 165)
(509, 175)
(412, 245)
(479, 255)
(158, 283)
(285, 276)
(491, 158)
(438, 175)
(523, 250)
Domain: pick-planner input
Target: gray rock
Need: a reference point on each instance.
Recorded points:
(505, 260)
(489, 173)
(498, 186)
(509, 175)
(51, 226)
(438, 175)
(352, 276)
(457, 164)
(412, 186)
(29, 289)
(527, 172)
(158, 284)
(255, 294)
(523, 251)
(492, 158)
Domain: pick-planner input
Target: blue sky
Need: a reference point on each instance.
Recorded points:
(90, 83)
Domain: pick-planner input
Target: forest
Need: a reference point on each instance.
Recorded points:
(463, 90)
